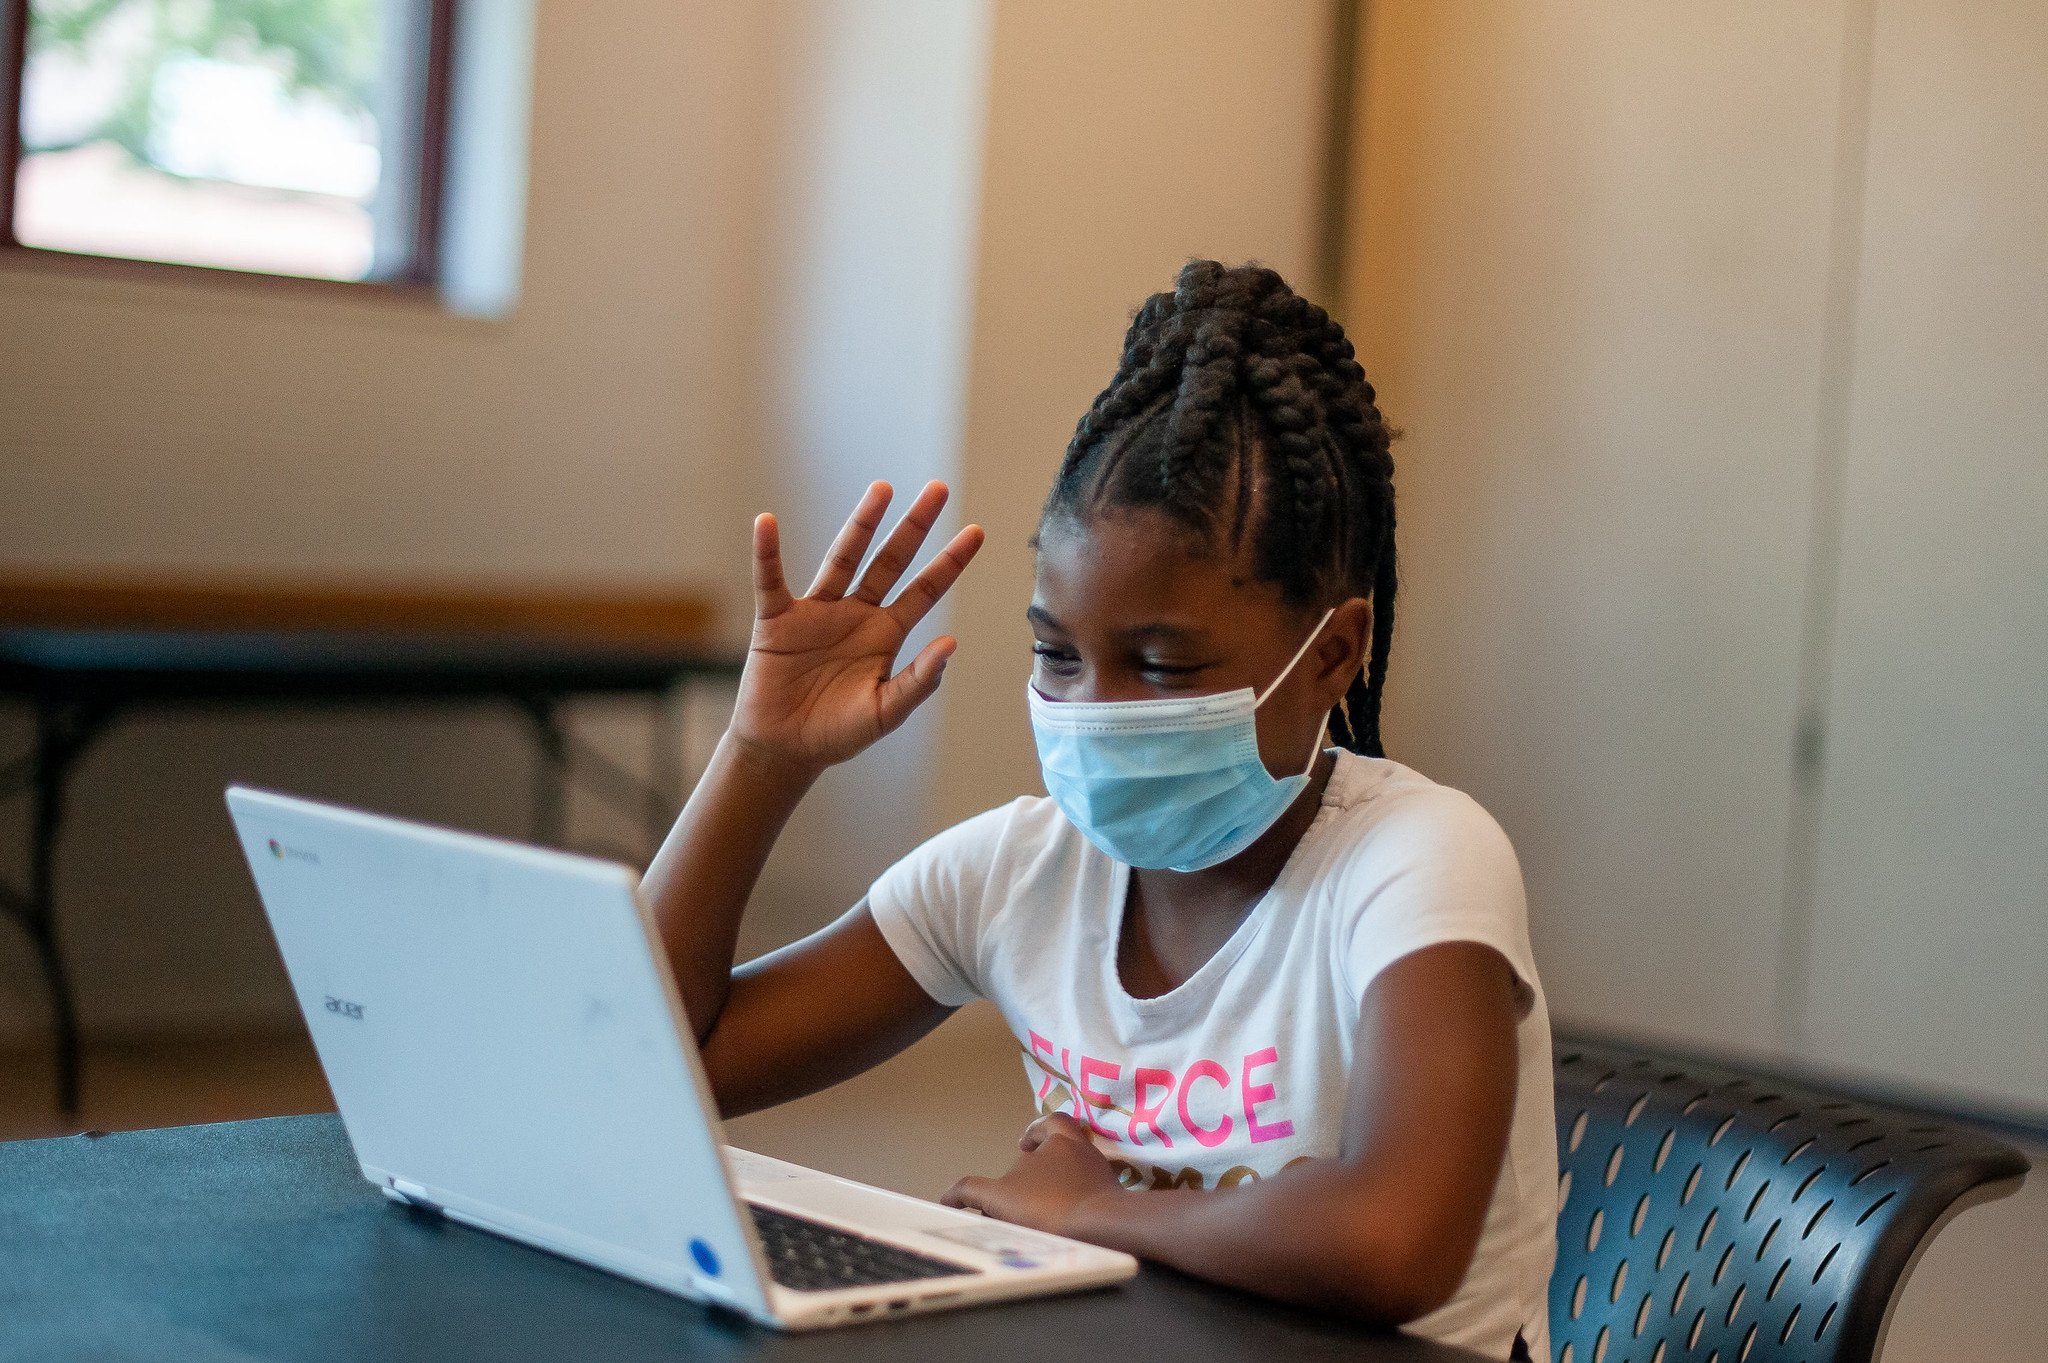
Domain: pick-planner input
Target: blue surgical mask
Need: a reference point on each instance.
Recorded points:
(1172, 784)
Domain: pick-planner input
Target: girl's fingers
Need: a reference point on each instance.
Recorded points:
(901, 547)
(843, 559)
(1048, 1126)
(971, 1191)
(941, 573)
(771, 593)
(914, 685)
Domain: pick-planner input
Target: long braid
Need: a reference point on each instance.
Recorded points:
(1369, 684)
(1232, 380)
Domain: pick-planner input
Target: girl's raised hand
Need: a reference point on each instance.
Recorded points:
(818, 686)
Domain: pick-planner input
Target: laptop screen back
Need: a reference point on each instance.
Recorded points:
(496, 1029)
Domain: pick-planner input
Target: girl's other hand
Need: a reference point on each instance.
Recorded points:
(817, 687)
(1058, 1171)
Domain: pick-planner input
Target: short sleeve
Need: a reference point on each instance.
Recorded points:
(932, 905)
(1437, 869)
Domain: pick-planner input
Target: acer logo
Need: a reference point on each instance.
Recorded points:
(345, 1008)
(284, 853)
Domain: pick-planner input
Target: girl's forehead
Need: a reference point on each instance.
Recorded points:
(1140, 567)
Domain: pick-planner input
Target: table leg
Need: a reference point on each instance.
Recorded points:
(551, 773)
(63, 730)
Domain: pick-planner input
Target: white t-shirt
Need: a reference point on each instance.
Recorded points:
(1242, 1069)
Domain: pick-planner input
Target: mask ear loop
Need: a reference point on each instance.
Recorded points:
(1323, 729)
(1313, 635)
(1322, 732)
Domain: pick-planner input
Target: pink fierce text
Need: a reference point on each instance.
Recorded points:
(1157, 1091)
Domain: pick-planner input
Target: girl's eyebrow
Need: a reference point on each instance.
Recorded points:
(1039, 615)
(1171, 633)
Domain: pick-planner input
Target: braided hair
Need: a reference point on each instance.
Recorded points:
(1239, 412)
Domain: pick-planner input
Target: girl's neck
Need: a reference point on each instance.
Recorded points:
(1174, 921)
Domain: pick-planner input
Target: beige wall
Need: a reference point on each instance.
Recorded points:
(1716, 332)
(1929, 917)
(1587, 274)
(595, 434)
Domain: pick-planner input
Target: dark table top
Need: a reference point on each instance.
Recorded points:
(185, 664)
(261, 1241)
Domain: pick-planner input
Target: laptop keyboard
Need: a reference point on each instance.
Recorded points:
(808, 1256)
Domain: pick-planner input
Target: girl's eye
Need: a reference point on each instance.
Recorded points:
(1052, 657)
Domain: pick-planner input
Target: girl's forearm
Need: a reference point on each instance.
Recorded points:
(1317, 1236)
(700, 880)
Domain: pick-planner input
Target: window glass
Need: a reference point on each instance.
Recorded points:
(271, 135)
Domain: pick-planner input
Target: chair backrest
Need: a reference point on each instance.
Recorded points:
(1711, 1216)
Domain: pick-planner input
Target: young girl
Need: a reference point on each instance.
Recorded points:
(1276, 1000)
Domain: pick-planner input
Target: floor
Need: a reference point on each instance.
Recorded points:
(953, 1105)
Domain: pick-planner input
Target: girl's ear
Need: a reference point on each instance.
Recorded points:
(1342, 651)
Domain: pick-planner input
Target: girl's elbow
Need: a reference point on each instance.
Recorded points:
(1419, 1289)
(1395, 1279)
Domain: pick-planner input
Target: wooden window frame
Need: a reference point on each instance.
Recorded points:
(416, 281)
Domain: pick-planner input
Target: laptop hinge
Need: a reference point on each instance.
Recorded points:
(412, 1194)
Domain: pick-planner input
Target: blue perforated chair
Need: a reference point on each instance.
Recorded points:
(1709, 1216)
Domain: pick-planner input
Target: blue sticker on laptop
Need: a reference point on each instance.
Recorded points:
(706, 1257)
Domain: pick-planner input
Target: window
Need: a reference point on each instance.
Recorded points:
(285, 137)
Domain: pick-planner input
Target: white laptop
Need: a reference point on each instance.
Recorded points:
(506, 1046)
